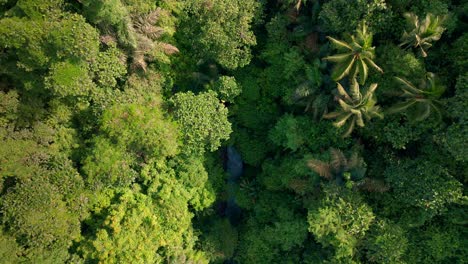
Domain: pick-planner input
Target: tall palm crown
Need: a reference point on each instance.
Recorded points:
(423, 32)
(355, 107)
(420, 101)
(355, 57)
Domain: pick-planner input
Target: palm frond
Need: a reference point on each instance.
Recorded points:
(342, 92)
(337, 160)
(355, 92)
(341, 120)
(372, 63)
(108, 39)
(299, 185)
(321, 168)
(340, 44)
(339, 58)
(350, 128)
(363, 70)
(343, 69)
(169, 49)
(139, 62)
(354, 161)
(408, 87)
(400, 107)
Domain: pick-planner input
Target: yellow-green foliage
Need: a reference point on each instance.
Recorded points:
(340, 220)
(202, 119)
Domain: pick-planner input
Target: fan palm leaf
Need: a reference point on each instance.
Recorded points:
(321, 168)
(338, 165)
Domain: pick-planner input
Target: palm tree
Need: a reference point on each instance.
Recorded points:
(338, 166)
(355, 108)
(307, 95)
(352, 170)
(356, 56)
(420, 101)
(423, 32)
(147, 34)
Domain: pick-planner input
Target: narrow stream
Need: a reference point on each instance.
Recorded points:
(234, 169)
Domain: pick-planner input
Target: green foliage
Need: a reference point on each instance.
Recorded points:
(258, 250)
(385, 243)
(23, 152)
(253, 148)
(340, 16)
(398, 62)
(36, 45)
(108, 133)
(457, 105)
(138, 26)
(356, 58)
(274, 233)
(8, 107)
(109, 165)
(222, 239)
(202, 119)
(220, 30)
(394, 130)
(458, 54)
(454, 137)
(150, 33)
(23, 39)
(309, 94)
(130, 134)
(140, 6)
(216, 174)
(455, 141)
(68, 79)
(227, 88)
(143, 129)
(111, 13)
(27, 211)
(253, 114)
(9, 249)
(108, 67)
(423, 185)
(288, 173)
(289, 133)
(434, 244)
(72, 38)
(192, 174)
(40, 9)
(132, 231)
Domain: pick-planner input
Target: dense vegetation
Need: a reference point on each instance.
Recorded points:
(350, 117)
